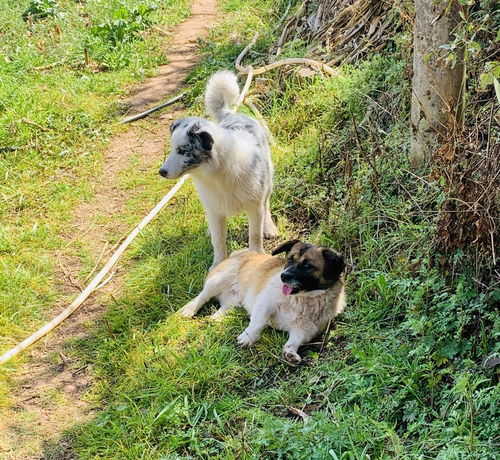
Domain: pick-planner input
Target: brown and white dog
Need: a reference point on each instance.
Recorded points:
(299, 296)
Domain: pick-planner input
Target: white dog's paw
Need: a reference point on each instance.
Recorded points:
(271, 231)
(246, 339)
(188, 310)
(291, 356)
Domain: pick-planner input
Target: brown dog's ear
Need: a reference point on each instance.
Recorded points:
(285, 247)
(334, 264)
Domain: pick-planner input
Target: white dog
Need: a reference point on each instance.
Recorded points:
(230, 163)
(300, 295)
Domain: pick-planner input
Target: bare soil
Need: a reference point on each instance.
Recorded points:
(51, 387)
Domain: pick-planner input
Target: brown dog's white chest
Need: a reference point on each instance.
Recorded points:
(311, 313)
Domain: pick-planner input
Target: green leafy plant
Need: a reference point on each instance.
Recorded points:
(125, 25)
(41, 9)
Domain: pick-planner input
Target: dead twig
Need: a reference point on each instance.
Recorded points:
(300, 413)
(325, 337)
(32, 123)
(244, 91)
(48, 66)
(97, 263)
(141, 115)
(163, 32)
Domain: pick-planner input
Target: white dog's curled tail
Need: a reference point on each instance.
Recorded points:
(222, 92)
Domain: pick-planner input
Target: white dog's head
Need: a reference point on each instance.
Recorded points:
(191, 145)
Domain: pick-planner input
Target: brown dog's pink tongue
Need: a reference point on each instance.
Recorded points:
(286, 290)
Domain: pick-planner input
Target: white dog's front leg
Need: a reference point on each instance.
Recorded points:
(218, 233)
(258, 321)
(256, 229)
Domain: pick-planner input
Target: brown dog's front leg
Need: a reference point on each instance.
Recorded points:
(296, 338)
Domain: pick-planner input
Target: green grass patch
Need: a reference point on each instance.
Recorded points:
(55, 112)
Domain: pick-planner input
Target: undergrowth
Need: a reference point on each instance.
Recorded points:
(401, 374)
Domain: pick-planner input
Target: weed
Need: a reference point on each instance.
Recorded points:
(125, 25)
(40, 9)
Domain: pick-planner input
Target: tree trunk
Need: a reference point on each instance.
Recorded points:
(438, 88)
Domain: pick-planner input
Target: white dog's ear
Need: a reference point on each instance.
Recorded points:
(204, 138)
(285, 247)
(174, 125)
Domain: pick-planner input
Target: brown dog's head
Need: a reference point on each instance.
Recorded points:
(309, 267)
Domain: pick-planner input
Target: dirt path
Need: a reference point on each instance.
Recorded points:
(51, 387)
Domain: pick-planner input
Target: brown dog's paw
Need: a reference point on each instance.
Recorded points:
(246, 339)
(292, 357)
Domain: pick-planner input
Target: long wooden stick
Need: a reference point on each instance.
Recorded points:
(289, 61)
(245, 89)
(141, 115)
(96, 281)
(237, 63)
(294, 61)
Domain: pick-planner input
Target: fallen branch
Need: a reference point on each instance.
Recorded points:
(244, 91)
(97, 281)
(141, 115)
(237, 63)
(294, 61)
(289, 61)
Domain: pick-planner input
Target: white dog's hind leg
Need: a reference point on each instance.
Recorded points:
(214, 285)
(218, 233)
(256, 229)
(270, 230)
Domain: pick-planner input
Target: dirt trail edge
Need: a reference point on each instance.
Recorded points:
(51, 387)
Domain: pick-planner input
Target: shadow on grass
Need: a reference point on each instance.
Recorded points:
(160, 379)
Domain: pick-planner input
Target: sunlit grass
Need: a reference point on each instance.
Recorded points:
(55, 116)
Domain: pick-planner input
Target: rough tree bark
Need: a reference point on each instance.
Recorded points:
(438, 89)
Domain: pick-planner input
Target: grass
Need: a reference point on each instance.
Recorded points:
(400, 375)
(55, 113)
